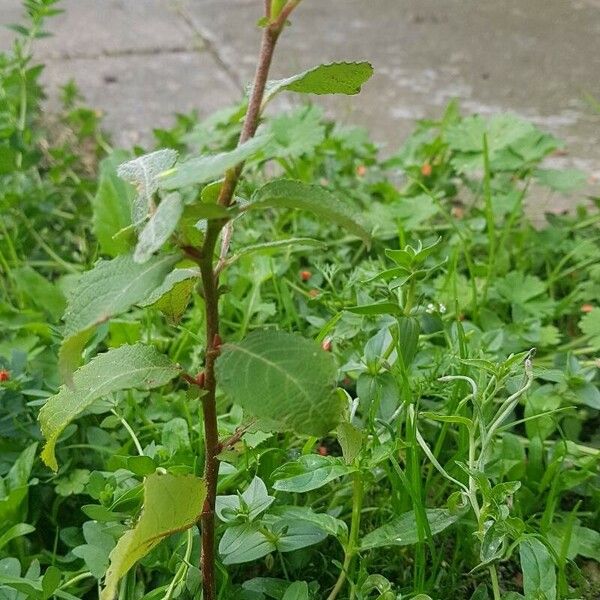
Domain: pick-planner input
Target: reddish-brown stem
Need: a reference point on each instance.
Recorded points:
(210, 283)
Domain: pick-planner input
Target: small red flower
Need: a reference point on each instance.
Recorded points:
(322, 450)
(426, 169)
(361, 170)
(305, 275)
(4, 375)
(313, 293)
(587, 308)
(326, 344)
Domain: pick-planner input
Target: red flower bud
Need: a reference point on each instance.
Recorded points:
(4, 375)
(322, 450)
(313, 293)
(305, 275)
(361, 170)
(587, 308)
(326, 344)
(426, 169)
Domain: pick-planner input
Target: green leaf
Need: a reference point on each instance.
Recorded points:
(159, 228)
(243, 543)
(403, 530)
(112, 207)
(327, 523)
(284, 379)
(174, 294)
(309, 472)
(142, 173)
(292, 244)
(334, 78)
(297, 591)
(296, 133)
(287, 193)
(109, 289)
(172, 503)
(539, 575)
(42, 293)
(377, 308)
(350, 439)
(123, 368)
(16, 531)
(249, 505)
(561, 180)
(590, 326)
(207, 168)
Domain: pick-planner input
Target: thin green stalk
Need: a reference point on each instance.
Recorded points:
(353, 544)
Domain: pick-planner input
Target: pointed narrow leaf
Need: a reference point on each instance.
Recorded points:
(284, 379)
(172, 503)
(123, 368)
(403, 530)
(334, 78)
(142, 172)
(207, 168)
(287, 193)
(109, 289)
(159, 228)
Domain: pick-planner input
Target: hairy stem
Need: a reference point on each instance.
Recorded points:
(210, 282)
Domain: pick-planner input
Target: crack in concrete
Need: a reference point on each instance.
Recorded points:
(210, 44)
(124, 52)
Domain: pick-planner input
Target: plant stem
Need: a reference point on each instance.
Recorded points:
(210, 283)
(352, 547)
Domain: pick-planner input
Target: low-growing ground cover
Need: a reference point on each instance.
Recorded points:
(404, 372)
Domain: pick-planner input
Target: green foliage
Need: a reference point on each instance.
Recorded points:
(298, 375)
(164, 514)
(123, 368)
(383, 429)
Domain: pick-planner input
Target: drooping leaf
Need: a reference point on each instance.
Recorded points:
(403, 530)
(539, 574)
(334, 78)
(174, 294)
(172, 503)
(159, 227)
(207, 168)
(309, 472)
(284, 379)
(112, 207)
(142, 173)
(17, 530)
(123, 368)
(287, 193)
(110, 288)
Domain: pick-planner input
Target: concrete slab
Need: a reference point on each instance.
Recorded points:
(136, 59)
(536, 58)
(137, 93)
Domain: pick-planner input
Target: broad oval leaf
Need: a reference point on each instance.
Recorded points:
(283, 379)
(207, 168)
(309, 472)
(539, 574)
(297, 591)
(142, 172)
(109, 289)
(172, 503)
(288, 193)
(333, 78)
(126, 367)
(403, 530)
(159, 228)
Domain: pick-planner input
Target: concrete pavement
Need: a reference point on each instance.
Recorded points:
(140, 61)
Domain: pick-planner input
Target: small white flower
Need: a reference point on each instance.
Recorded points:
(442, 308)
(430, 308)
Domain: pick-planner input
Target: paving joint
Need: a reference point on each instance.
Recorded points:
(124, 52)
(211, 46)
